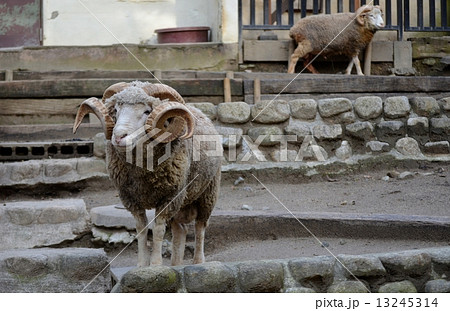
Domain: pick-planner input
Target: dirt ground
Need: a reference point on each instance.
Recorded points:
(425, 192)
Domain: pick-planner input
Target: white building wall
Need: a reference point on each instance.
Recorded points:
(106, 22)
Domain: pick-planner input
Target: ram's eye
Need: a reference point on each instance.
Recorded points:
(147, 112)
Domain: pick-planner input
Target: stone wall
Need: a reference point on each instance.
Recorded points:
(47, 270)
(300, 132)
(424, 270)
(51, 171)
(331, 128)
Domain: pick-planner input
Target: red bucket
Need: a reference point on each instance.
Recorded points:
(183, 34)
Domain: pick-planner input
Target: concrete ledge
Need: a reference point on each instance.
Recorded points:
(242, 226)
(424, 270)
(39, 175)
(116, 216)
(47, 270)
(201, 56)
(51, 171)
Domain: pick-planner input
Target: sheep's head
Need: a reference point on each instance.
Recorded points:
(128, 107)
(370, 17)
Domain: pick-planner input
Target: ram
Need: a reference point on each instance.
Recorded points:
(335, 34)
(150, 122)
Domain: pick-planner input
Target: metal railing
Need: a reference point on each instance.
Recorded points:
(400, 15)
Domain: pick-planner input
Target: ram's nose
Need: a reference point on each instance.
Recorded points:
(119, 139)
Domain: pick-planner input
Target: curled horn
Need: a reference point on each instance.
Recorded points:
(361, 13)
(162, 92)
(171, 117)
(93, 105)
(178, 117)
(113, 89)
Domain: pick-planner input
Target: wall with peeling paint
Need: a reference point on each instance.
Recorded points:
(106, 22)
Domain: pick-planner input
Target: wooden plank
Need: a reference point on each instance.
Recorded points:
(35, 119)
(82, 74)
(95, 87)
(257, 90)
(41, 132)
(112, 74)
(8, 75)
(352, 96)
(40, 106)
(350, 84)
(210, 74)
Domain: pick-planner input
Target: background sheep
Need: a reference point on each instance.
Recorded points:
(179, 189)
(318, 32)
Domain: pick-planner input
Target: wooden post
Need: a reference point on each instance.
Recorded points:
(158, 74)
(8, 75)
(368, 59)
(256, 90)
(227, 86)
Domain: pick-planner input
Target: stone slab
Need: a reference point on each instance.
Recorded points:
(402, 54)
(50, 270)
(41, 223)
(382, 51)
(116, 216)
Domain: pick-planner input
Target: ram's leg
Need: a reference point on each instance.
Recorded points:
(200, 228)
(348, 71)
(308, 64)
(142, 230)
(179, 232)
(358, 66)
(302, 49)
(159, 229)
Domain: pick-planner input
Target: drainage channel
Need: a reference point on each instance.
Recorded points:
(18, 151)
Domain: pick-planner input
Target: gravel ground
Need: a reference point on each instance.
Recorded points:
(425, 192)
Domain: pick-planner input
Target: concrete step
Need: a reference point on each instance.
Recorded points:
(116, 216)
(245, 225)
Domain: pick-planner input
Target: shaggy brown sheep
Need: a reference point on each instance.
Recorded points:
(335, 34)
(150, 122)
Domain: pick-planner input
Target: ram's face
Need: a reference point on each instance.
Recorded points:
(375, 18)
(131, 108)
(130, 118)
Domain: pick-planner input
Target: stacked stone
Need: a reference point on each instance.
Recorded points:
(51, 171)
(338, 126)
(404, 272)
(54, 270)
(26, 265)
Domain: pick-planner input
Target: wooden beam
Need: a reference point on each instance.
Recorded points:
(256, 90)
(95, 87)
(31, 106)
(350, 84)
(29, 132)
(8, 75)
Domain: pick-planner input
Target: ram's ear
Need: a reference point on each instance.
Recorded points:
(361, 13)
(360, 19)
